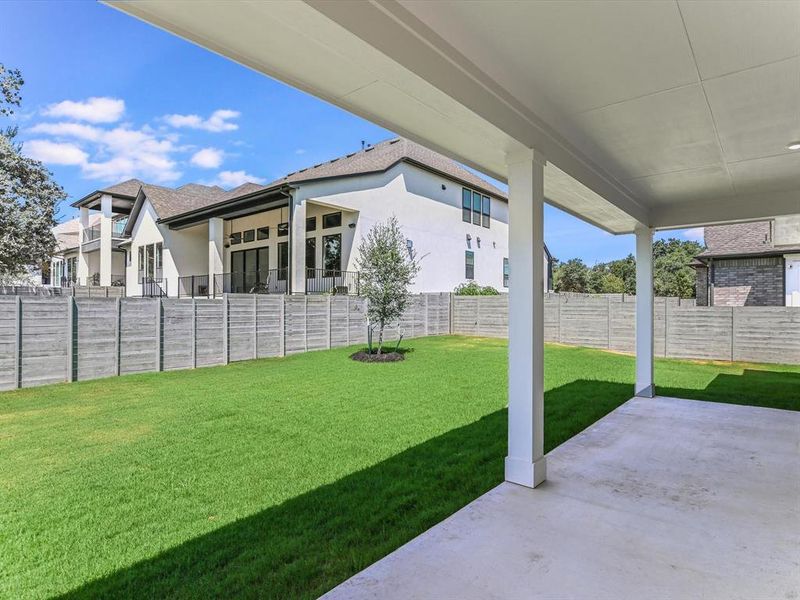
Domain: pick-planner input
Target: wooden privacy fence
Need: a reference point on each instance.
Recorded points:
(50, 340)
(682, 330)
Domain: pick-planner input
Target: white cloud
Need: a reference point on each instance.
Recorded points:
(300, 151)
(218, 121)
(53, 153)
(118, 153)
(232, 179)
(94, 110)
(208, 158)
(695, 234)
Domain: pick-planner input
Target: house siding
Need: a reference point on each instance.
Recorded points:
(747, 282)
(702, 285)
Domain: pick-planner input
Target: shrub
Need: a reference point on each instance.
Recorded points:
(473, 289)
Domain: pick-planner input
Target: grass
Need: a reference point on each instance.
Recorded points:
(282, 477)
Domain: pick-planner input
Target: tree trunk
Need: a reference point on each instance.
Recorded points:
(380, 338)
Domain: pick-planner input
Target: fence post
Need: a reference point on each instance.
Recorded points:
(733, 330)
(451, 309)
(194, 334)
(255, 326)
(329, 321)
(608, 319)
(18, 343)
(225, 330)
(282, 338)
(347, 319)
(305, 323)
(118, 333)
(158, 334)
(427, 333)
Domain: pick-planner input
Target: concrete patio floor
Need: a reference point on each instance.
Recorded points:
(662, 498)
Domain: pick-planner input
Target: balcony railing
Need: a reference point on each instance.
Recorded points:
(327, 281)
(117, 230)
(271, 281)
(194, 286)
(153, 287)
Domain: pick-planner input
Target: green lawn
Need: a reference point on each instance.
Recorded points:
(282, 477)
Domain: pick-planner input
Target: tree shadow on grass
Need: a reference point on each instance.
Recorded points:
(309, 544)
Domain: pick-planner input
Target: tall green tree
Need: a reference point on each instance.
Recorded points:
(29, 196)
(571, 276)
(387, 269)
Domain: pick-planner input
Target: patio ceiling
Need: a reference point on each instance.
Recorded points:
(663, 113)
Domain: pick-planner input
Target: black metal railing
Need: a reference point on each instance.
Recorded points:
(153, 287)
(271, 281)
(69, 282)
(327, 281)
(194, 286)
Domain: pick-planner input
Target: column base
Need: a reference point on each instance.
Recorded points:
(646, 392)
(523, 472)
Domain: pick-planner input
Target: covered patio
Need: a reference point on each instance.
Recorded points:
(662, 498)
(635, 116)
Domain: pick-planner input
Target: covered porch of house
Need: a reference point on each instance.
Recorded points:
(635, 117)
(662, 498)
(272, 242)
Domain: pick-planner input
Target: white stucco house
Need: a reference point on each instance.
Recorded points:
(298, 234)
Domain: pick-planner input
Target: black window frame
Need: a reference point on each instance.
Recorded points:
(476, 214)
(311, 223)
(469, 265)
(505, 272)
(337, 216)
(262, 233)
(236, 238)
(283, 261)
(311, 257)
(283, 229)
(249, 233)
(466, 205)
(486, 211)
(326, 271)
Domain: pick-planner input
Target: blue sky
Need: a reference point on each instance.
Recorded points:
(107, 97)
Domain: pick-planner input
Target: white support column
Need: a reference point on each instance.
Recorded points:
(83, 263)
(105, 240)
(644, 313)
(526, 464)
(297, 245)
(215, 251)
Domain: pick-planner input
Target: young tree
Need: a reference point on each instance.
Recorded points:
(571, 276)
(28, 195)
(388, 268)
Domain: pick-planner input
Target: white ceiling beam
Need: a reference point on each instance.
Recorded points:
(726, 210)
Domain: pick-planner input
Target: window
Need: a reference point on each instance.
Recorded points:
(140, 264)
(236, 238)
(250, 235)
(249, 269)
(505, 272)
(466, 205)
(159, 253)
(311, 224)
(283, 260)
(476, 208)
(262, 233)
(469, 262)
(311, 258)
(332, 255)
(332, 220)
(283, 229)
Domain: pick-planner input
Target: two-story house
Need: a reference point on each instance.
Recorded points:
(298, 234)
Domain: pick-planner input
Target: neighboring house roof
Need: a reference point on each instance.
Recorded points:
(741, 239)
(383, 156)
(67, 233)
(173, 202)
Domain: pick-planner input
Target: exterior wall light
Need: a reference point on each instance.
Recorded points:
(793, 146)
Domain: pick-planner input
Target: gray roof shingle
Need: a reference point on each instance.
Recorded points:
(382, 156)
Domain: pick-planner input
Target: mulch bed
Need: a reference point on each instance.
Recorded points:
(363, 356)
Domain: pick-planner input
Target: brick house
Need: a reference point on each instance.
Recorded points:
(750, 264)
